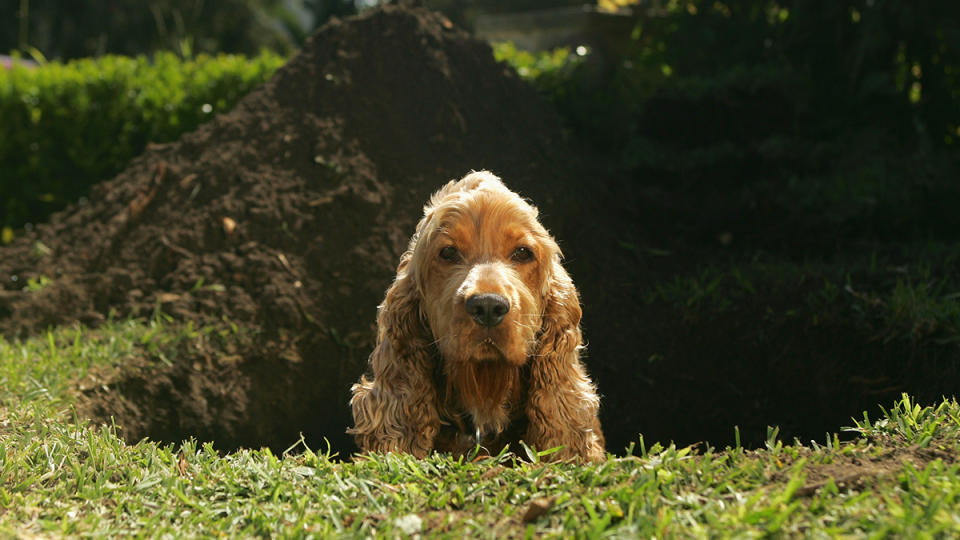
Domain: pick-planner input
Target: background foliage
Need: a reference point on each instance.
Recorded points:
(843, 112)
(65, 29)
(68, 125)
(833, 64)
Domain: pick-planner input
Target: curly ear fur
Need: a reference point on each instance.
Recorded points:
(562, 406)
(397, 409)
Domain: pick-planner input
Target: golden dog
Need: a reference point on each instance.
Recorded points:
(478, 336)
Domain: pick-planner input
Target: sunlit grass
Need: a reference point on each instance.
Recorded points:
(61, 477)
(49, 367)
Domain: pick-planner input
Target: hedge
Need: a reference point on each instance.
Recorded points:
(66, 126)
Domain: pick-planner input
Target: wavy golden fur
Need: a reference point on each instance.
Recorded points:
(478, 336)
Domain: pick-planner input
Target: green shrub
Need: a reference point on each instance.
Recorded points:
(67, 126)
(832, 113)
(67, 29)
(543, 68)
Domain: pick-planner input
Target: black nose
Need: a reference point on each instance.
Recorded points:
(487, 309)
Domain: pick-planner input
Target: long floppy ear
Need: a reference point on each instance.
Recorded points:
(563, 404)
(397, 409)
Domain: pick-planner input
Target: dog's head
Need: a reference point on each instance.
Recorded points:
(482, 263)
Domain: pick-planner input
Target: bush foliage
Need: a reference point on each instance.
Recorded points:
(67, 126)
(845, 112)
(65, 29)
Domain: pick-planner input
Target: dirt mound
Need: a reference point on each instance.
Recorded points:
(287, 214)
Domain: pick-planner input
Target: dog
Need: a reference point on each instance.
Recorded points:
(479, 339)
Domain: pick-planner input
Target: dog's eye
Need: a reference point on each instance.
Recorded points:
(450, 254)
(522, 254)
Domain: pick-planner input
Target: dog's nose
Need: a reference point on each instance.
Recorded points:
(487, 309)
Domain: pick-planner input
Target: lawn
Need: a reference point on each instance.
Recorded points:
(60, 476)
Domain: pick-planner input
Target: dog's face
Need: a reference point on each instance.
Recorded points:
(482, 261)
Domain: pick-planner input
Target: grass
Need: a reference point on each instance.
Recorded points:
(918, 303)
(50, 369)
(61, 477)
(923, 309)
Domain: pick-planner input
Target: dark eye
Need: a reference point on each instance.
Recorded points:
(450, 254)
(522, 254)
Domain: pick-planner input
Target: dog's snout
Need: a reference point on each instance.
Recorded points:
(487, 309)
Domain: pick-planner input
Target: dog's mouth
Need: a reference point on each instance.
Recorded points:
(488, 349)
(484, 345)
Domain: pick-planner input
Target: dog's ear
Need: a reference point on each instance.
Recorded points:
(563, 404)
(560, 330)
(397, 409)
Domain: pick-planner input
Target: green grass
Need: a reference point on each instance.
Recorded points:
(918, 303)
(61, 477)
(50, 369)
(713, 288)
(923, 308)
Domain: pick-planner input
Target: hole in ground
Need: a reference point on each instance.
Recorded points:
(693, 380)
(700, 379)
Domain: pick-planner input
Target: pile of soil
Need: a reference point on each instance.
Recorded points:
(287, 214)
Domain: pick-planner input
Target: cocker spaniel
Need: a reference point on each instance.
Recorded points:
(478, 338)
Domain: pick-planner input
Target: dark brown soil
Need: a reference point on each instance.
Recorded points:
(858, 469)
(288, 214)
